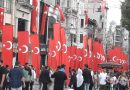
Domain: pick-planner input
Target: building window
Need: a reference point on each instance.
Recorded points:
(102, 24)
(58, 2)
(82, 23)
(68, 3)
(8, 6)
(1, 3)
(75, 39)
(81, 38)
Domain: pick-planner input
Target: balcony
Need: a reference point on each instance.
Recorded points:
(25, 4)
(70, 10)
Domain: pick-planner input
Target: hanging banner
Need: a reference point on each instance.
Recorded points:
(57, 43)
(34, 16)
(35, 53)
(7, 45)
(23, 42)
(44, 18)
(1, 18)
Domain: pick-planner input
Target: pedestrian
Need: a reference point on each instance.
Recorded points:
(16, 77)
(103, 80)
(87, 77)
(33, 77)
(2, 74)
(45, 78)
(59, 78)
(80, 80)
(73, 80)
(123, 81)
(27, 75)
(6, 82)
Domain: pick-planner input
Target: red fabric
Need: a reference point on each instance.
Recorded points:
(23, 42)
(86, 20)
(44, 16)
(52, 55)
(85, 51)
(103, 6)
(7, 49)
(1, 18)
(62, 17)
(90, 43)
(73, 56)
(34, 17)
(57, 43)
(64, 46)
(35, 54)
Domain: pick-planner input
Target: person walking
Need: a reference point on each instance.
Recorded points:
(102, 80)
(45, 78)
(80, 80)
(123, 82)
(59, 78)
(73, 80)
(27, 75)
(33, 77)
(16, 77)
(87, 77)
(2, 75)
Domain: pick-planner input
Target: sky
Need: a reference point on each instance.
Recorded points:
(114, 11)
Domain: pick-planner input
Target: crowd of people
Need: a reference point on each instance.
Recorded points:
(23, 78)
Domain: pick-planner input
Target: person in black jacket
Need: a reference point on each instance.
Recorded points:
(44, 77)
(87, 77)
(60, 77)
(73, 81)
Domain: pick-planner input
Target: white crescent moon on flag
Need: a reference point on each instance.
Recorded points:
(80, 58)
(90, 54)
(26, 48)
(65, 48)
(58, 46)
(98, 55)
(10, 45)
(75, 57)
(114, 58)
(54, 54)
(38, 50)
(86, 53)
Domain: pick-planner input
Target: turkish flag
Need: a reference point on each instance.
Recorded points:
(62, 17)
(35, 54)
(1, 17)
(86, 19)
(44, 17)
(34, 17)
(64, 46)
(57, 43)
(7, 45)
(51, 55)
(73, 56)
(85, 50)
(23, 42)
(79, 60)
(103, 6)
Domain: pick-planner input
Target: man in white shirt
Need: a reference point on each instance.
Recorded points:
(102, 80)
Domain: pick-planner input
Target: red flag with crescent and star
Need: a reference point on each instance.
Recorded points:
(1, 18)
(34, 16)
(7, 45)
(44, 17)
(23, 42)
(57, 42)
(35, 52)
